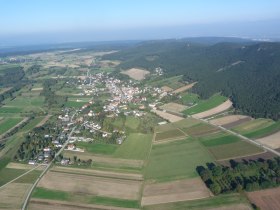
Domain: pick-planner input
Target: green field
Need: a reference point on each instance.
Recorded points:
(264, 131)
(30, 177)
(189, 99)
(172, 82)
(9, 123)
(220, 141)
(96, 148)
(75, 104)
(136, 146)
(171, 134)
(205, 105)
(176, 160)
(32, 124)
(23, 104)
(131, 123)
(258, 128)
(234, 150)
(115, 202)
(8, 109)
(44, 193)
(200, 129)
(218, 202)
(8, 174)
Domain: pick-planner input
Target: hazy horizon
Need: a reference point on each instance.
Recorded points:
(45, 22)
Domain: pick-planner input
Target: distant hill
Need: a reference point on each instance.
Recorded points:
(247, 72)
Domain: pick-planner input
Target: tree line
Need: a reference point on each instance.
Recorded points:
(247, 175)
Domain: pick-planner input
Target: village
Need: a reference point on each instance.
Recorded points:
(125, 98)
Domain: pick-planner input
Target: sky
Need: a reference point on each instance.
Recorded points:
(56, 21)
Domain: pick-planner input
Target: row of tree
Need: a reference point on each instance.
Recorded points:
(247, 175)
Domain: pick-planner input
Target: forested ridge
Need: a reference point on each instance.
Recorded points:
(246, 72)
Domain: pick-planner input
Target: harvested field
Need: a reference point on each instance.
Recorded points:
(44, 204)
(13, 195)
(253, 125)
(174, 191)
(87, 184)
(168, 135)
(92, 172)
(221, 202)
(186, 123)
(239, 122)
(228, 119)
(241, 206)
(234, 150)
(167, 116)
(266, 199)
(118, 162)
(37, 89)
(272, 141)
(173, 107)
(137, 74)
(200, 129)
(184, 88)
(166, 88)
(224, 106)
(23, 166)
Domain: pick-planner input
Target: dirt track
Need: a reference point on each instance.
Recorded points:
(224, 106)
(174, 191)
(87, 184)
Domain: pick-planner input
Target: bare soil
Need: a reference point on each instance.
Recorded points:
(173, 107)
(236, 123)
(87, 184)
(137, 74)
(184, 88)
(266, 199)
(168, 116)
(23, 166)
(228, 119)
(93, 172)
(166, 88)
(13, 195)
(174, 191)
(45, 204)
(272, 141)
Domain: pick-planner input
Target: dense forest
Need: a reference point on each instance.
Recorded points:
(249, 176)
(247, 72)
(11, 76)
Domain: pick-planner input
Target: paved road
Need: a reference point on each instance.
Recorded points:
(243, 137)
(46, 169)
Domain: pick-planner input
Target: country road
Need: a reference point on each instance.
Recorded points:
(48, 167)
